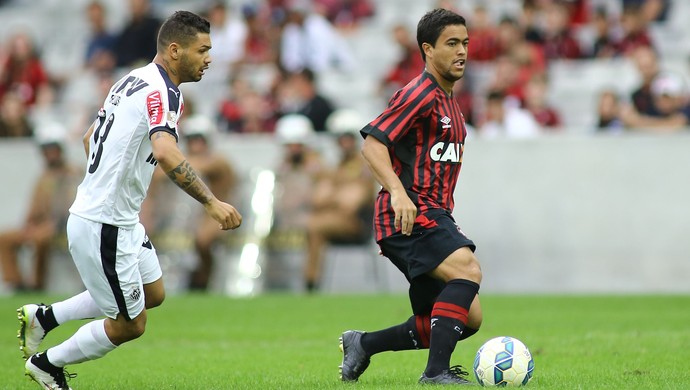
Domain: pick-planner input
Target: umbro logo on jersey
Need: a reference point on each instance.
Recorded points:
(446, 122)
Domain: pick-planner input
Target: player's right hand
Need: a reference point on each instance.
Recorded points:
(225, 214)
(405, 212)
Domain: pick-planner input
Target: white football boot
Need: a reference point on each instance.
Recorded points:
(30, 333)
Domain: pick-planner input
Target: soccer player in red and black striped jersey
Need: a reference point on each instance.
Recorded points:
(414, 149)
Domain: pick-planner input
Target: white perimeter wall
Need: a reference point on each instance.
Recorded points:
(558, 214)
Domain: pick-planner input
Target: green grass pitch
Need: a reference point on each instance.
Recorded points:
(291, 342)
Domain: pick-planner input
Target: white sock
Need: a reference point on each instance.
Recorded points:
(89, 343)
(79, 307)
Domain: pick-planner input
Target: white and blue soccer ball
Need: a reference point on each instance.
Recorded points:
(503, 361)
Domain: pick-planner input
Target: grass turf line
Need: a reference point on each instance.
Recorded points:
(291, 342)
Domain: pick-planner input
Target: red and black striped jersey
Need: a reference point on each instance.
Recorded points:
(425, 132)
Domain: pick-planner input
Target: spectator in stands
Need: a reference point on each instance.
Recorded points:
(559, 41)
(484, 45)
(14, 120)
(608, 111)
(670, 96)
(509, 34)
(298, 95)
(228, 35)
(100, 48)
(262, 42)
(136, 43)
(531, 20)
(509, 80)
(604, 45)
(245, 110)
(518, 60)
(647, 65)
(635, 33)
(198, 132)
(21, 70)
(503, 119)
(46, 218)
(45, 108)
(536, 103)
(346, 14)
(651, 10)
(296, 174)
(408, 66)
(342, 199)
(309, 40)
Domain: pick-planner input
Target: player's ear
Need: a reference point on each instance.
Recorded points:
(174, 50)
(427, 49)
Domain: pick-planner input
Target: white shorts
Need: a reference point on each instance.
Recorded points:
(114, 263)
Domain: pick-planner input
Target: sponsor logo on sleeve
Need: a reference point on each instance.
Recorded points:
(154, 108)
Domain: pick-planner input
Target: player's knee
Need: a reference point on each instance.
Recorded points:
(466, 266)
(474, 270)
(121, 330)
(135, 328)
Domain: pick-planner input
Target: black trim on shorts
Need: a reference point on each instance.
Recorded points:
(427, 246)
(108, 260)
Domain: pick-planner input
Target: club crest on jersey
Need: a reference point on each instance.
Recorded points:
(135, 294)
(154, 107)
(447, 152)
(114, 99)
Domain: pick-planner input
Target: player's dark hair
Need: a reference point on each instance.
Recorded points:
(432, 24)
(181, 28)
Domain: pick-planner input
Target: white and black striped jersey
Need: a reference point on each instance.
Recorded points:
(120, 162)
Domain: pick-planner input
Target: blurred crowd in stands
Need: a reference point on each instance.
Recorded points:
(299, 41)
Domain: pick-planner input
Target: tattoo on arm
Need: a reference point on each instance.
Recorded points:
(186, 178)
(158, 134)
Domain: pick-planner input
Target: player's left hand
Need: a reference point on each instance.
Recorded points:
(225, 214)
(405, 212)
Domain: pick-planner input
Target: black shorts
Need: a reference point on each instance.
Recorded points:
(433, 239)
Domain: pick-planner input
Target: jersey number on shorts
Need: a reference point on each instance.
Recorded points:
(99, 139)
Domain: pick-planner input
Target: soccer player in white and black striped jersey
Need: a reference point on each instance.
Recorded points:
(135, 130)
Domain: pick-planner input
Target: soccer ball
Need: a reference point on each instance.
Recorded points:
(503, 361)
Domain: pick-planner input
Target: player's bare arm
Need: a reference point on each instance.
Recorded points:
(378, 158)
(178, 169)
(186, 178)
